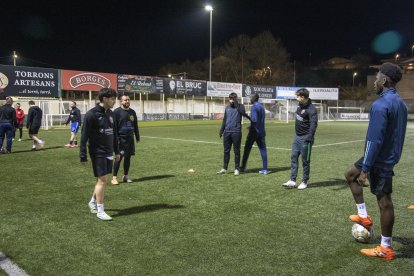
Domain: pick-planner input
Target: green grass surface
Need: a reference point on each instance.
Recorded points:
(173, 222)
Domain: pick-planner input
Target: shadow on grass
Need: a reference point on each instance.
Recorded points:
(142, 209)
(269, 169)
(29, 150)
(153, 177)
(407, 249)
(341, 183)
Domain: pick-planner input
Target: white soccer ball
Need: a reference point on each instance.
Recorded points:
(361, 234)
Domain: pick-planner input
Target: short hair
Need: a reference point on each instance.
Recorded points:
(106, 93)
(18, 103)
(303, 92)
(9, 100)
(255, 97)
(31, 103)
(233, 95)
(74, 102)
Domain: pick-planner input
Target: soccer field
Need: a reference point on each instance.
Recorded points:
(174, 222)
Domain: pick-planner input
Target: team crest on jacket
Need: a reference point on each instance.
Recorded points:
(131, 118)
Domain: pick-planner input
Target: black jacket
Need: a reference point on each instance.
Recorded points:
(306, 120)
(99, 131)
(74, 116)
(34, 118)
(7, 114)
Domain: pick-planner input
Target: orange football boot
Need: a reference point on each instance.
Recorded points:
(387, 253)
(366, 222)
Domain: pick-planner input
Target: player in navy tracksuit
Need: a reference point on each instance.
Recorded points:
(383, 149)
(75, 123)
(127, 125)
(257, 133)
(231, 129)
(7, 120)
(305, 127)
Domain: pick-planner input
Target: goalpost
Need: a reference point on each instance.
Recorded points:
(347, 114)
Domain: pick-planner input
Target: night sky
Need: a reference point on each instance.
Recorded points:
(138, 37)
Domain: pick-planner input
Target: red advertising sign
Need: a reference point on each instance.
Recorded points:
(85, 81)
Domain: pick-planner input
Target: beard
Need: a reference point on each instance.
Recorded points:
(125, 106)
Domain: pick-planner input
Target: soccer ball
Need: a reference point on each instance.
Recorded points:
(361, 234)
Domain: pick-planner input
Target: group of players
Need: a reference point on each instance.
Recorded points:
(12, 119)
(105, 132)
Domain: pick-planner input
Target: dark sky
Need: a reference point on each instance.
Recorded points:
(138, 37)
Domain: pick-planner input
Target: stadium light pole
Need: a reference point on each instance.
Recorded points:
(412, 51)
(353, 80)
(14, 58)
(396, 57)
(210, 9)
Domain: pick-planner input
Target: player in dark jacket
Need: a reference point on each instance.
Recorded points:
(99, 132)
(383, 149)
(75, 123)
(127, 126)
(34, 121)
(231, 129)
(7, 120)
(305, 127)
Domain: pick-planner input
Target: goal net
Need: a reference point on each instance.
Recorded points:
(347, 114)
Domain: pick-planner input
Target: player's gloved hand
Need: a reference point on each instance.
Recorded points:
(220, 134)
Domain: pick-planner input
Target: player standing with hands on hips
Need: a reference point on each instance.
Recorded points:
(99, 131)
(383, 148)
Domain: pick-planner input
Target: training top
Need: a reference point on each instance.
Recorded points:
(34, 118)
(232, 118)
(74, 116)
(99, 131)
(126, 122)
(257, 116)
(306, 120)
(19, 116)
(7, 114)
(386, 132)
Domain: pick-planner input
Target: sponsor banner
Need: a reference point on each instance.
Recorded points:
(87, 81)
(24, 81)
(354, 116)
(185, 87)
(284, 92)
(264, 92)
(323, 93)
(223, 89)
(135, 84)
(316, 93)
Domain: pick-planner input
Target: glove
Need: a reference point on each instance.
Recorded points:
(220, 134)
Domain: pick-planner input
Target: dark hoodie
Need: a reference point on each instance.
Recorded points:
(34, 118)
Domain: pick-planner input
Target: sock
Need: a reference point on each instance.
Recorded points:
(93, 200)
(75, 142)
(100, 208)
(386, 241)
(70, 142)
(362, 210)
(33, 146)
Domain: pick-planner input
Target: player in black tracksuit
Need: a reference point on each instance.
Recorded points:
(34, 121)
(99, 131)
(127, 125)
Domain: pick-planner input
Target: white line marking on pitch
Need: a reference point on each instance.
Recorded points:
(9, 267)
(275, 148)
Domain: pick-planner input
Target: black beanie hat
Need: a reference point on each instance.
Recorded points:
(392, 71)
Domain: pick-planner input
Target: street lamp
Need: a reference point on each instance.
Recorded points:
(14, 58)
(210, 9)
(396, 57)
(353, 80)
(412, 49)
